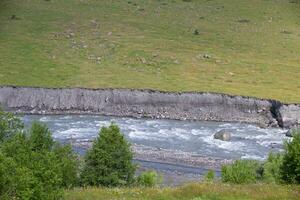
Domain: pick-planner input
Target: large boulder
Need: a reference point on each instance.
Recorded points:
(292, 131)
(223, 135)
(290, 115)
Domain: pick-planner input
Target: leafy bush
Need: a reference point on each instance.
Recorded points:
(109, 161)
(68, 163)
(290, 170)
(9, 125)
(33, 166)
(149, 179)
(210, 176)
(241, 171)
(40, 137)
(271, 168)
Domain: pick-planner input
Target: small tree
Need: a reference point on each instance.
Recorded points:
(290, 169)
(109, 161)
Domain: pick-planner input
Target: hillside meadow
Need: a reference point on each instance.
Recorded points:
(242, 47)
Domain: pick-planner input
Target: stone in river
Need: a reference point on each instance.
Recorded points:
(292, 131)
(223, 135)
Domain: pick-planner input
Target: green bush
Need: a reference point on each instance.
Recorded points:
(109, 161)
(210, 176)
(149, 179)
(34, 167)
(68, 163)
(9, 125)
(271, 168)
(290, 170)
(241, 171)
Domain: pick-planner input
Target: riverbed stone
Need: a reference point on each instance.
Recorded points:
(292, 131)
(223, 135)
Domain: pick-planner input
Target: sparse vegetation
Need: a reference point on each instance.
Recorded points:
(252, 45)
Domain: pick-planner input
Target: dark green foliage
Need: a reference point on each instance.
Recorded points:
(40, 137)
(271, 168)
(290, 169)
(9, 125)
(109, 161)
(15, 182)
(68, 163)
(241, 172)
(40, 172)
(33, 166)
(149, 179)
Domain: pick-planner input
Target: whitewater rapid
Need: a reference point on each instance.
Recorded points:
(248, 141)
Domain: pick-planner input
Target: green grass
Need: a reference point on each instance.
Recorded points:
(253, 45)
(190, 192)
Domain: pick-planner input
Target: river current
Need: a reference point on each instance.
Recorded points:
(247, 142)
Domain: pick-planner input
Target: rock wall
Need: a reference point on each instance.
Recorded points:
(149, 103)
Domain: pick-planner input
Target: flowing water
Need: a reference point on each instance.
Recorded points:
(247, 142)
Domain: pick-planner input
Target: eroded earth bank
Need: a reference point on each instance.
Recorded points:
(151, 104)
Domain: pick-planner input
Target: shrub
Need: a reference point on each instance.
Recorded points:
(40, 137)
(109, 161)
(210, 176)
(271, 168)
(40, 175)
(241, 171)
(149, 179)
(68, 163)
(290, 169)
(33, 166)
(9, 125)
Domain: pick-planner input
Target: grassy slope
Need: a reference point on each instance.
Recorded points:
(191, 192)
(150, 44)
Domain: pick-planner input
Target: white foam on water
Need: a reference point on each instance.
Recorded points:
(45, 119)
(227, 125)
(140, 135)
(200, 132)
(228, 145)
(253, 157)
(59, 124)
(66, 117)
(102, 123)
(75, 133)
(181, 133)
(151, 123)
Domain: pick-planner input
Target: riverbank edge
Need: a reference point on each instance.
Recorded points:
(198, 106)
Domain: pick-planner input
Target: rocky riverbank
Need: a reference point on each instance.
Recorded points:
(149, 103)
(176, 167)
(167, 156)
